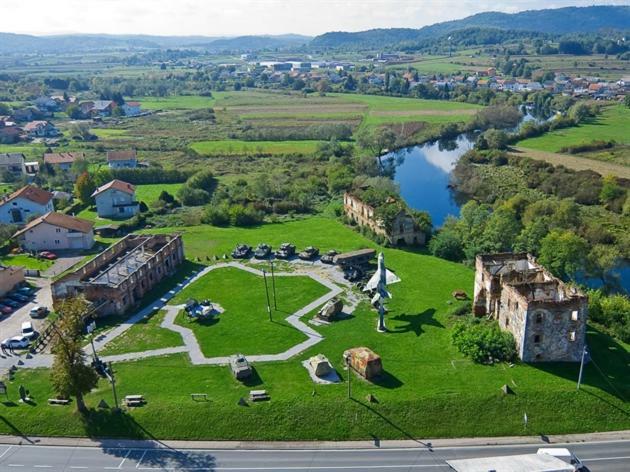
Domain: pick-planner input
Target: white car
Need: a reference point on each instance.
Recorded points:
(17, 342)
(28, 331)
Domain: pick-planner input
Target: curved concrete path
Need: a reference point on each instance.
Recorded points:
(191, 345)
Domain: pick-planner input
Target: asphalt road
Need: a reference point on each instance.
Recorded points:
(605, 456)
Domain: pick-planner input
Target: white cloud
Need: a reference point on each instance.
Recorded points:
(238, 17)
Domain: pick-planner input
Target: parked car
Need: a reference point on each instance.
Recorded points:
(28, 331)
(38, 311)
(18, 297)
(240, 367)
(5, 309)
(48, 255)
(309, 253)
(17, 342)
(11, 303)
(329, 257)
(26, 291)
(263, 251)
(242, 251)
(286, 251)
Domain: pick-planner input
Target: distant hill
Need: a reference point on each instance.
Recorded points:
(552, 21)
(23, 43)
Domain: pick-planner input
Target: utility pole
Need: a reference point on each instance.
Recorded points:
(273, 285)
(581, 367)
(267, 293)
(349, 375)
(111, 378)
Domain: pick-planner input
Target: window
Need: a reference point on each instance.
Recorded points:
(516, 305)
(572, 336)
(539, 317)
(57, 241)
(537, 338)
(57, 230)
(507, 322)
(574, 315)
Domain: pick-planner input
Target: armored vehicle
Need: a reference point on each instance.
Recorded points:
(329, 257)
(242, 251)
(263, 251)
(286, 251)
(240, 367)
(309, 253)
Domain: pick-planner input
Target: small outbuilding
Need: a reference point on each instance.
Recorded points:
(364, 361)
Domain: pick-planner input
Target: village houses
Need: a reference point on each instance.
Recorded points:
(63, 160)
(24, 204)
(40, 129)
(116, 199)
(122, 159)
(12, 163)
(546, 317)
(54, 232)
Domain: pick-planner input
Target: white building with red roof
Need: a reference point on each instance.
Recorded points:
(24, 204)
(55, 232)
(116, 199)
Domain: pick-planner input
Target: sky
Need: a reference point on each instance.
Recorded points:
(244, 17)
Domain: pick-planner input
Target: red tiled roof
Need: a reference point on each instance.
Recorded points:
(121, 155)
(59, 219)
(34, 194)
(33, 125)
(116, 185)
(63, 157)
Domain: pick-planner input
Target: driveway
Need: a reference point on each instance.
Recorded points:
(11, 325)
(62, 264)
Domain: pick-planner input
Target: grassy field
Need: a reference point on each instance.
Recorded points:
(144, 336)
(611, 124)
(429, 389)
(244, 326)
(182, 102)
(149, 193)
(233, 147)
(25, 261)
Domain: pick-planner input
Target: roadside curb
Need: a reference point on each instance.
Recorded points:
(111, 443)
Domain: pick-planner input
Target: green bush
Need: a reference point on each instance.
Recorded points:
(612, 312)
(483, 341)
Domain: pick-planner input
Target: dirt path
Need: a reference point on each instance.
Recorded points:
(574, 162)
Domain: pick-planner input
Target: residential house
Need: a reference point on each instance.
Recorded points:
(46, 104)
(401, 229)
(9, 133)
(40, 129)
(122, 159)
(86, 107)
(24, 204)
(546, 317)
(12, 162)
(55, 232)
(116, 199)
(132, 108)
(63, 160)
(103, 108)
(119, 277)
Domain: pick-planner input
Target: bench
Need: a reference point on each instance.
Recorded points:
(134, 400)
(199, 396)
(58, 401)
(258, 395)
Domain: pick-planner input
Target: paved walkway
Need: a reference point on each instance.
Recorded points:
(191, 345)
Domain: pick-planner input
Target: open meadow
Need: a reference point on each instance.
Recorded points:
(429, 389)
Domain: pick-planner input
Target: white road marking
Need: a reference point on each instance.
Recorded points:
(78, 467)
(15, 465)
(141, 458)
(43, 466)
(310, 467)
(8, 449)
(606, 459)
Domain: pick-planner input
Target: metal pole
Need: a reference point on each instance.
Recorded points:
(581, 368)
(267, 293)
(273, 284)
(113, 380)
(349, 374)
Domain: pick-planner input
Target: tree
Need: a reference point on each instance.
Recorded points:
(626, 101)
(84, 188)
(80, 131)
(563, 253)
(376, 142)
(496, 139)
(70, 376)
(448, 245)
(611, 190)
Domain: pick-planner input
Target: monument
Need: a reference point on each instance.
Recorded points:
(378, 283)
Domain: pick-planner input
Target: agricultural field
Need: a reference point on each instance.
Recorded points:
(610, 125)
(192, 102)
(26, 261)
(429, 389)
(235, 147)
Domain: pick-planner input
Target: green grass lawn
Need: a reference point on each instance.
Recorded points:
(244, 326)
(611, 124)
(234, 147)
(149, 193)
(25, 261)
(429, 390)
(180, 102)
(144, 336)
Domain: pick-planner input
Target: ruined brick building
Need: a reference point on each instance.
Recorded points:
(117, 278)
(401, 230)
(546, 317)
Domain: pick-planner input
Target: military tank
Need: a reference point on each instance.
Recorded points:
(242, 251)
(286, 251)
(309, 253)
(263, 251)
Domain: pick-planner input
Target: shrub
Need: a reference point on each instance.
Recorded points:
(193, 196)
(483, 341)
(216, 215)
(245, 216)
(612, 312)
